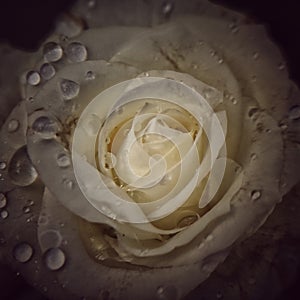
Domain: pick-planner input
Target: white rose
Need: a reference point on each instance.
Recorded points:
(170, 144)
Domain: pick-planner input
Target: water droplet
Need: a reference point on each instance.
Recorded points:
(4, 214)
(55, 259)
(195, 66)
(76, 52)
(21, 170)
(167, 8)
(63, 160)
(110, 160)
(26, 209)
(107, 140)
(69, 89)
(233, 27)
(255, 55)
(252, 111)
(3, 200)
(68, 183)
(33, 78)
(23, 252)
(45, 127)
(233, 100)
(47, 71)
(220, 60)
(255, 195)
(2, 165)
(187, 221)
(13, 125)
(90, 75)
(294, 112)
(167, 293)
(283, 125)
(52, 52)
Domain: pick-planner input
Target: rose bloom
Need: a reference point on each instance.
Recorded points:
(143, 149)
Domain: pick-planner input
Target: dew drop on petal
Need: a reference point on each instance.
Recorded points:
(63, 160)
(55, 259)
(2, 165)
(4, 214)
(252, 111)
(76, 52)
(26, 209)
(13, 125)
(90, 75)
(294, 112)
(52, 52)
(45, 127)
(69, 89)
(255, 194)
(187, 221)
(47, 71)
(33, 78)
(68, 183)
(167, 293)
(3, 200)
(23, 252)
(20, 169)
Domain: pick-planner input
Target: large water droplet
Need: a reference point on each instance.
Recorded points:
(69, 89)
(13, 125)
(23, 252)
(45, 127)
(167, 293)
(63, 160)
(3, 200)
(50, 239)
(21, 170)
(55, 259)
(294, 112)
(33, 78)
(76, 52)
(52, 52)
(47, 71)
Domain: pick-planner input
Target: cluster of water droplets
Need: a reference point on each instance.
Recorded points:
(53, 53)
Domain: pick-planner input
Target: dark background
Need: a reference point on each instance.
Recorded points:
(24, 24)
